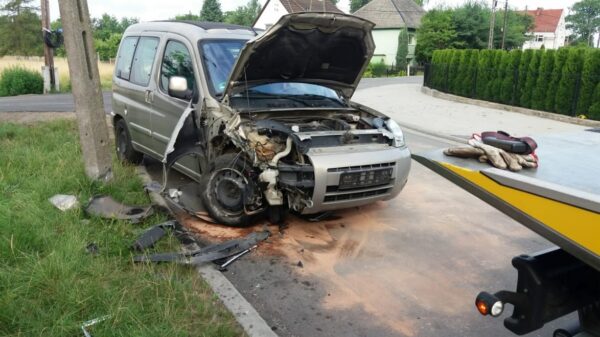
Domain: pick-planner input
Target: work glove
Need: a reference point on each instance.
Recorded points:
(493, 155)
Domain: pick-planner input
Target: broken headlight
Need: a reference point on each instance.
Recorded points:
(396, 131)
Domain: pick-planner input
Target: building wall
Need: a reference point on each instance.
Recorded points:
(271, 14)
(553, 40)
(386, 45)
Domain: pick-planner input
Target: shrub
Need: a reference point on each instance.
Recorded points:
(531, 80)
(378, 69)
(594, 111)
(461, 86)
(472, 73)
(538, 98)
(559, 62)
(522, 76)
(483, 74)
(20, 81)
(497, 70)
(565, 93)
(453, 71)
(590, 77)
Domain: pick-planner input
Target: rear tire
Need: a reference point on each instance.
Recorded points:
(224, 188)
(123, 146)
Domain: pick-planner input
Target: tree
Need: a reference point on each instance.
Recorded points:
(402, 51)
(483, 73)
(538, 99)
(584, 20)
(20, 27)
(244, 15)
(187, 17)
(436, 32)
(522, 75)
(559, 60)
(590, 77)
(565, 94)
(357, 4)
(507, 91)
(211, 11)
(594, 112)
(503, 69)
(531, 80)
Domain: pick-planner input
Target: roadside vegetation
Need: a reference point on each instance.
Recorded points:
(566, 81)
(50, 283)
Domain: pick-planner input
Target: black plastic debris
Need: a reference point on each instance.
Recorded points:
(106, 207)
(92, 249)
(153, 235)
(210, 253)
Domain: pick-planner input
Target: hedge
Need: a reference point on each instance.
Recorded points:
(566, 81)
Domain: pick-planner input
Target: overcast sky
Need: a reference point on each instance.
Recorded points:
(147, 10)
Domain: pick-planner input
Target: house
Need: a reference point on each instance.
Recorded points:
(549, 29)
(275, 9)
(390, 17)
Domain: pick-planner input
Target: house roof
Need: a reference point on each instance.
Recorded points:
(295, 6)
(545, 20)
(392, 13)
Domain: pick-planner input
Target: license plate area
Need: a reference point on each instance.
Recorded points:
(368, 178)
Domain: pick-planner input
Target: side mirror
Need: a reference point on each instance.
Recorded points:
(178, 88)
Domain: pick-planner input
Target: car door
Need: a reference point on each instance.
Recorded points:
(133, 94)
(177, 59)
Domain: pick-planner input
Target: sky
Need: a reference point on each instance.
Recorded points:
(148, 10)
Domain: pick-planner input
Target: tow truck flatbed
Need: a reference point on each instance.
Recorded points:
(560, 200)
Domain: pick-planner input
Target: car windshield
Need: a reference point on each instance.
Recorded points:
(218, 57)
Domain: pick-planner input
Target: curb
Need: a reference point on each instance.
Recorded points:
(530, 112)
(245, 314)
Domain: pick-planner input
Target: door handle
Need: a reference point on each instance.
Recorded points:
(149, 96)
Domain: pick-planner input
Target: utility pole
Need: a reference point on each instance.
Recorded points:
(85, 83)
(505, 23)
(48, 70)
(492, 25)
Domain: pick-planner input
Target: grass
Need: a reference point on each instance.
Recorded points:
(49, 284)
(36, 63)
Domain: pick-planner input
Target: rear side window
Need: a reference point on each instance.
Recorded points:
(126, 56)
(141, 69)
(177, 61)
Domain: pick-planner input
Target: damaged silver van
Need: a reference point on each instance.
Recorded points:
(263, 122)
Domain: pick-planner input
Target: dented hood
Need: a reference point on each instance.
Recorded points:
(328, 49)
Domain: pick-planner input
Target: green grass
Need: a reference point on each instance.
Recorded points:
(49, 285)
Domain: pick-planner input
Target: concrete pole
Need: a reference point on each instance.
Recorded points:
(492, 25)
(85, 83)
(504, 24)
(48, 52)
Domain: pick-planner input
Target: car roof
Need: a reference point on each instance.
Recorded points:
(194, 30)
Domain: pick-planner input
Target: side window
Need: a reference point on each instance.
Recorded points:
(142, 62)
(126, 56)
(176, 62)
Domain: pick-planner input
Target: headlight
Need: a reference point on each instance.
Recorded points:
(396, 131)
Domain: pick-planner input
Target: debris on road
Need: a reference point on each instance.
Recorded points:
(106, 207)
(92, 249)
(210, 253)
(236, 257)
(64, 202)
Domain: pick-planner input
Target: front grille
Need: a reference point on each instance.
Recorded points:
(356, 195)
(360, 168)
(334, 189)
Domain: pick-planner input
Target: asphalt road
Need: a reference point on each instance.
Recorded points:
(64, 102)
(411, 266)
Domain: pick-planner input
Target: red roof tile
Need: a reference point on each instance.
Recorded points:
(546, 20)
(295, 6)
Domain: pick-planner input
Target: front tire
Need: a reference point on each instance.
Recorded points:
(224, 190)
(123, 146)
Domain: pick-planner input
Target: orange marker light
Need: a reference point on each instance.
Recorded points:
(482, 307)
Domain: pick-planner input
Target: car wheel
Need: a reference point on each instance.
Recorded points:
(225, 188)
(125, 151)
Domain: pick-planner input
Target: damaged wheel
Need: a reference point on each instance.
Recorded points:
(226, 189)
(125, 151)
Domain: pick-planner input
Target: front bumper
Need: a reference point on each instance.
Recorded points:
(330, 163)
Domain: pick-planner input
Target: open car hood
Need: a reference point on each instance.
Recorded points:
(327, 49)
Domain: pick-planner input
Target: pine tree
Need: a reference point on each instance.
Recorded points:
(472, 73)
(594, 111)
(211, 11)
(532, 74)
(20, 27)
(522, 78)
(454, 74)
(402, 51)
(501, 75)
(483, 75)
(590, 77)
(507, 91)
(559, 61)
(565, 95)
(538, 99)
(461, 78)
(494, 83)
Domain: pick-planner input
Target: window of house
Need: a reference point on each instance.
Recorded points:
(177, 61)
(539, 38)
(126, 57)
(412, 39)
(141, 69)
